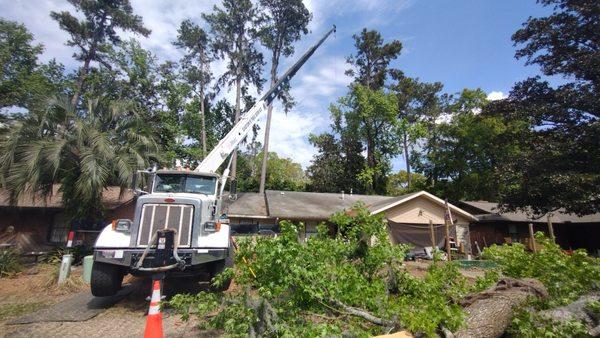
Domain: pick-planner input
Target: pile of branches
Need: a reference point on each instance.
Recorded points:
(349, 280)
(352, 282)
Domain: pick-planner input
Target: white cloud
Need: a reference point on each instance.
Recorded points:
(319, 83)
(36, 16)
(496, 95)
(289, 134)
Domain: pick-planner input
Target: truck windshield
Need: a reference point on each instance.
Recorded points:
(184, 183)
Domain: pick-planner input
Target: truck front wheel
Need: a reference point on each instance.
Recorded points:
(106, 279)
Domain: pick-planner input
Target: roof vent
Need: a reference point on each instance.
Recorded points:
(343, 194)
(282, 193)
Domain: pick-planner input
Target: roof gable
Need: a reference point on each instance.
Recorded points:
(393, 202)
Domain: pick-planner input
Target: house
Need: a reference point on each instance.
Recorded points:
(34, 222)
(496, 227)
(408, 216)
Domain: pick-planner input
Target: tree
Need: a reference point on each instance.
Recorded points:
(337, 164)
(84, 153)
(286, 21)
(24, 82)
(559, 162)
(415, 101)
(398, 183)
(370, 63)
(18, 61)
(94, 35)
(370, 115)
(196, 65)
(284, 173)
(157, 90)
(234, 29)
(462, 155)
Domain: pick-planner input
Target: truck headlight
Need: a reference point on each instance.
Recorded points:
(121, 225)
(212, 226)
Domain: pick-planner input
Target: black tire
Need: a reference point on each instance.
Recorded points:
(219, 266)
(106, 279)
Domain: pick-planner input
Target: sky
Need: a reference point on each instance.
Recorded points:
(461, 43)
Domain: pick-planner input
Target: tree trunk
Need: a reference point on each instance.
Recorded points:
(80, 81)
(407, 158)
(263, 171)
(86, 64)
(203, 122)
(238, 97)
(490, 312)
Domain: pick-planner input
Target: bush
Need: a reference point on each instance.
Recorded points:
(78, 252)
(289, 288)
(10, 263)
(566, 276)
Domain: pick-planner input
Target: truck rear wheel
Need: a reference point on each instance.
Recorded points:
(219, 267)
(106, 279)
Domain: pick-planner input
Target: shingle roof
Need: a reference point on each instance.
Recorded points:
(490, 211)
(111, 197)
(247, 204)
(311, 205)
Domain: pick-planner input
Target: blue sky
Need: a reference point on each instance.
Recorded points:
(461, 43)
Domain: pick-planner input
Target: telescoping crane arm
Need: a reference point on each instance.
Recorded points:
(230, 142)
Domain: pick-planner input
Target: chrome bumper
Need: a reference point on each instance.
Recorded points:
(129, 257)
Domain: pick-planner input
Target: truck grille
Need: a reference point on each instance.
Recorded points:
(163, 216)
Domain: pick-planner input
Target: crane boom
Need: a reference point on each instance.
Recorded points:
(242, 128)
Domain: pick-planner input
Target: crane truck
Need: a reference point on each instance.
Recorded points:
(185, 203)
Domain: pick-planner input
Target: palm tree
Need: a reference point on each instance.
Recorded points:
(82, 150)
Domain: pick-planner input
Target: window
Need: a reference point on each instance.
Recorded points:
(185, 183)
(60, 230)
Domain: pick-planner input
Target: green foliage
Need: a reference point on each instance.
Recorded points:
(557, 165)
(337, 163)
(370, 63)
(489, 279)
(461, 155)
(10, 262)
(397, 183)
(531, 325)
(24, 82)
(78, 252)
(85, 151)
(291, 288)
(566, 276)
(95, 35)
(594, 308)
(283, 173)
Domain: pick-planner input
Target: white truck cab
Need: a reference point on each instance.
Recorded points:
(185, 201)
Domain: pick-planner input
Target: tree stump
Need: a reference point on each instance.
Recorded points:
(490, 312)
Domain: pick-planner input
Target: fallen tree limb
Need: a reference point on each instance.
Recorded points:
(490, 312)
(363, 314)
(578, 310)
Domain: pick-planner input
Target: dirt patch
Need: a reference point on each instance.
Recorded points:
(419, 268)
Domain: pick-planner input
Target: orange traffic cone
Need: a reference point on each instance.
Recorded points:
(154, 319)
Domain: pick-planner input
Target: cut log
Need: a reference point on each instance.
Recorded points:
(490, 312)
